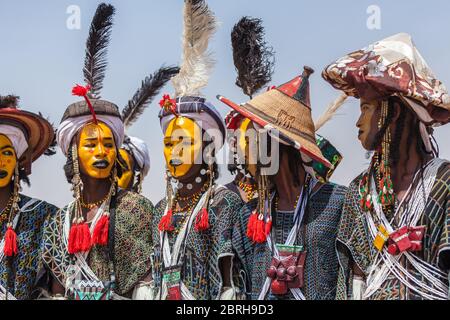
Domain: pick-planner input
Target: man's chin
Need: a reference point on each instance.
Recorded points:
(100, 174)
(4, 182)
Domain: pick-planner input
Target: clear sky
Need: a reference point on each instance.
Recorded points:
(41, 59)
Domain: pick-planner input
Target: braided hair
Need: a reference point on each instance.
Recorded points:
(406, 119)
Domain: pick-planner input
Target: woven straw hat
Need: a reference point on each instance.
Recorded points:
(286, 109)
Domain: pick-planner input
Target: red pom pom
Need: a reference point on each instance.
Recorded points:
(251, 226)
(202, 220)
(101, 230)
(10, 248)
(73, 239)
(80, 91)
(166, 222)
(84, 237)
(260, 232)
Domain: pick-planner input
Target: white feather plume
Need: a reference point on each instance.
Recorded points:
(199, 26)
(330, 111)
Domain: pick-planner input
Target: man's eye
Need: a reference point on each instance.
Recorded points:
(89, 145)
(8, 153)
(109, 145)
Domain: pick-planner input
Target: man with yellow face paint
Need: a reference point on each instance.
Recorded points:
(91, 244)
(24, 137)
(286, 237)
(135, 154)
(193, 223)
(107, 227)
(393, 239)
(134, 151)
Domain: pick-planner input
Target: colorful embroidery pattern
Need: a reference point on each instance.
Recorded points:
(321, 261)
(200, 272)
(132, 250)
(22, 269)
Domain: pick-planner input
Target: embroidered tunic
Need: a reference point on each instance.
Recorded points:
(200, 271)
(22, 270)
(320, 223)
(132, 245)
(354, 244)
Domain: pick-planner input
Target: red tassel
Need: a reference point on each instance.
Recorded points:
(260, 235)
(251, 226)
(268, 226)
(73, 239)
(202, 221)
(84, 237)
(10, 248)
(81, 91)
(166, 222)
(101, 230)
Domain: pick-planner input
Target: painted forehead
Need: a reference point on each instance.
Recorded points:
(185, 126)
(5, 141)
(93, 130)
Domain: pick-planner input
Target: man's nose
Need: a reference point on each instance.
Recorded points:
(100, 151)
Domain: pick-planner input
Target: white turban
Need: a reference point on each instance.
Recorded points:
(205, 121)
(17, 138)
(70, 127)
(140, 153)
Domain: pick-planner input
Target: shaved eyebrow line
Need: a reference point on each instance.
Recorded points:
(6, 147)
(92, 139)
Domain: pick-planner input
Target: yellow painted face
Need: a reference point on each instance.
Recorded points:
(97, 150)
(8, 160)
(126, 181)
(244, 137)
(182, 146)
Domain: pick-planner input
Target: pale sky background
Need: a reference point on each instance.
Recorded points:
(40, 60)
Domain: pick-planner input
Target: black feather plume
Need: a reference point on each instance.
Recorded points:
(144, 95)
(97, 48)
(253, 59)
(10, 101)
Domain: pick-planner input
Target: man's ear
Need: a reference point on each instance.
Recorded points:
(397, 112)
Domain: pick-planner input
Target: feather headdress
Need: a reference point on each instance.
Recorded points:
(199, 26)
(97, 48)
(253, 59)
(144, 95)
(330, 111)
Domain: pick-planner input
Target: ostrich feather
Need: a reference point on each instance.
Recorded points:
(330, 111)
(253, 59)
(199, 26)
(97, 43)
(150, 87)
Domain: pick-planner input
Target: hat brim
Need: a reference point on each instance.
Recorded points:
(40, 133)
(303, 145)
